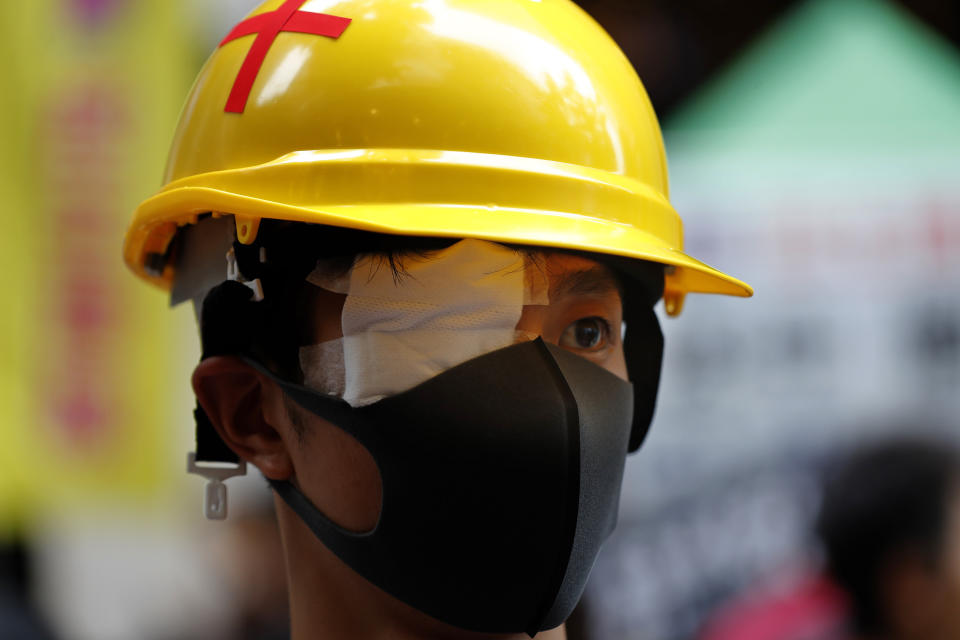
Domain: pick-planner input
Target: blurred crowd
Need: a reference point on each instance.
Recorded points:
(889, 529)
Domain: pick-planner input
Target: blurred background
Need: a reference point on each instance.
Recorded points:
(814, 150)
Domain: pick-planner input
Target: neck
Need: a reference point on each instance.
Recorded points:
(329, 600)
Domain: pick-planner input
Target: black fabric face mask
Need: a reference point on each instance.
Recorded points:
(501, 479)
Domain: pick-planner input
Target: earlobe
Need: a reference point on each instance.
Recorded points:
(237, 399)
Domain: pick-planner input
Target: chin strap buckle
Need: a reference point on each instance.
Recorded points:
(215, 495)
(234, 273)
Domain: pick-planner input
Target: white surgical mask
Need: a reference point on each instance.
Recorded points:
(442, 310)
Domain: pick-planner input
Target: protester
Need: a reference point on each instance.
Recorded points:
(890, 523)
(425, 240)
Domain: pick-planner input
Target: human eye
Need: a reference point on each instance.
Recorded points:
(586, 334)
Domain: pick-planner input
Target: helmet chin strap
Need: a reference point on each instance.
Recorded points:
(233, 300)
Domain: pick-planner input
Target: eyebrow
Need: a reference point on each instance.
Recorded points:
(595, 281)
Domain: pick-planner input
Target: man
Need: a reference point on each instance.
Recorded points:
(890, 523)
(445, 225)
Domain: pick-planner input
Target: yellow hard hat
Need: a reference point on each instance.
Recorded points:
(517, 121)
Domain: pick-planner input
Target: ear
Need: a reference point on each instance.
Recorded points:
(246, 410)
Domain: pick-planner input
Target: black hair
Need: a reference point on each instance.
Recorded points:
(882, 500)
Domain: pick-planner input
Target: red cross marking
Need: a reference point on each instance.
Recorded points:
(287, 17)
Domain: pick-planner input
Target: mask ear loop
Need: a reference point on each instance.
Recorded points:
(643, 351)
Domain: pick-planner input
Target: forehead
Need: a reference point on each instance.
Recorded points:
(561, 273)
(575, 276)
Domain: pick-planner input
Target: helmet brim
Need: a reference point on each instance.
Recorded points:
(410, 192)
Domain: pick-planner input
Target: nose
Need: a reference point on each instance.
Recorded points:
(532, 323)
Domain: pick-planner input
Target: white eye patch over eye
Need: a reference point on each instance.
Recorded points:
(440, 311)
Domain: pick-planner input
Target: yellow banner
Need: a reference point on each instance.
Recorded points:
(93, 393)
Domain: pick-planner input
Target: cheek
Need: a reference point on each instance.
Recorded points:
(338, 475)
(533, 319)
(324, 310)
(617, 363)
